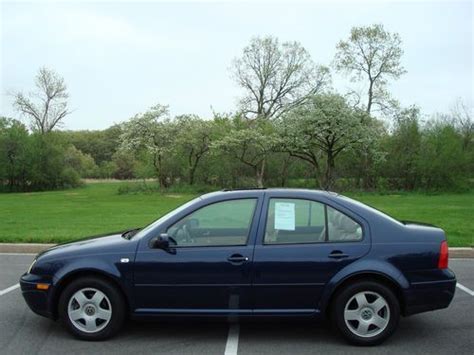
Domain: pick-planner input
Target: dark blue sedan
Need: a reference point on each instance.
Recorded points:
(250, 253)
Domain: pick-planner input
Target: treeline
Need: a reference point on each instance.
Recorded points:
(291, 128)
(325, 143)
(227, 151)
(33, 161)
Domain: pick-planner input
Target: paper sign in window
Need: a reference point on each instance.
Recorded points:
(285, 216)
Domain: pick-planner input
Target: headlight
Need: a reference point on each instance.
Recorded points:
(31, 266)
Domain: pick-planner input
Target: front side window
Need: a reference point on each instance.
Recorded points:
(296, 221)
(219, 224)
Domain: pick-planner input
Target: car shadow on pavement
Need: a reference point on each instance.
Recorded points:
(183, 336)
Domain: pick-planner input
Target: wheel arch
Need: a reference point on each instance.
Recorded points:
(375, 276)
(366, 268)
(62, 283)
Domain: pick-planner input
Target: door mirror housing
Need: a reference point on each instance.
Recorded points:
(163, 241)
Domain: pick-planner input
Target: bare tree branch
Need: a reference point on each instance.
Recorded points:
(51, 107)
(373, 53)
(276, 77)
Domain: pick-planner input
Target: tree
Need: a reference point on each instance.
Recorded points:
(441, 163)
(154, 132)
(47, 167)
(276, 77)
(373, 53)
(250, 142)
(124, 165)
(81, 162)
(100, 145)
(35, 161)
(404, 149)
(462, 116)
(50, 107)
(194, 137)
(14, 153)
(320, 130)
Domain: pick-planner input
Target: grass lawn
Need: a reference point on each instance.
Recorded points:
(97, 208)
(452, 212)
(51, 217)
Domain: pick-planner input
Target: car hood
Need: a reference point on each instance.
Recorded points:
(106, 244)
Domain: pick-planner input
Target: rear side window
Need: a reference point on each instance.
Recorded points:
(341, 227)
(296, 221)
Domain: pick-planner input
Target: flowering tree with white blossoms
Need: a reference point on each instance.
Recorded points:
(320, 130)
(154, 132)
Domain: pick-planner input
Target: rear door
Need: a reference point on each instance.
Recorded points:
(302, 243)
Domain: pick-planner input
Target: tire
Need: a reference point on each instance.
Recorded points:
(365, 313)
(92, 308)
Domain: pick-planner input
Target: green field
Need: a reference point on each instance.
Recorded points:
(71, 214)
(97, 208)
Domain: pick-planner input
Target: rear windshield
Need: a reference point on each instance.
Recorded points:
(370, 208)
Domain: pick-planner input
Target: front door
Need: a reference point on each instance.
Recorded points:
(302, 244)
(209, 268)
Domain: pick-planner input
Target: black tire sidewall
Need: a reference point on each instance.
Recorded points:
(337, 312)
(115, 297)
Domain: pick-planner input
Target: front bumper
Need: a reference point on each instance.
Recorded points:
(429, 296)
(37, 300)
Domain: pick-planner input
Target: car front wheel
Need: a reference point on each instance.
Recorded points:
(366, 313)
(92, 308)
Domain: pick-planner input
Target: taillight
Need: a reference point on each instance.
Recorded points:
(443, 255)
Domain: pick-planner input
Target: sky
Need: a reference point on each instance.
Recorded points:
(119, 58)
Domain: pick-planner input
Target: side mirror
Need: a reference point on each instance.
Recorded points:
(163, 241)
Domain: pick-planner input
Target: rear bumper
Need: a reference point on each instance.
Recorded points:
(429, 296)
(37, 300)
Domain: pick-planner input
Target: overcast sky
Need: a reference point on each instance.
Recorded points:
(119, 58)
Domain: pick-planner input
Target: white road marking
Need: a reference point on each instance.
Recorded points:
(465, 289)
(9, 289)
(32, 254)
(232, 340)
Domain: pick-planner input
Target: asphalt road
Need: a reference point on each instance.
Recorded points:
(22, 332)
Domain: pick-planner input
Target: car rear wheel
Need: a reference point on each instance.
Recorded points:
(366, 313)
(92, 308)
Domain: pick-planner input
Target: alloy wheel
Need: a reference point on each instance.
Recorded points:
(367, 314)
(89, 310)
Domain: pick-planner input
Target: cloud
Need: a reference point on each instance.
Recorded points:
(68, 23)
(78, 25)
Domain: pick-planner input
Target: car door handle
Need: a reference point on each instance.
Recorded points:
(237, 258)
(337, 254)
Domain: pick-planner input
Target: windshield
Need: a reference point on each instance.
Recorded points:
(160, 220)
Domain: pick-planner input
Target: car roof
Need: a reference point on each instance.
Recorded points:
(257, 191)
